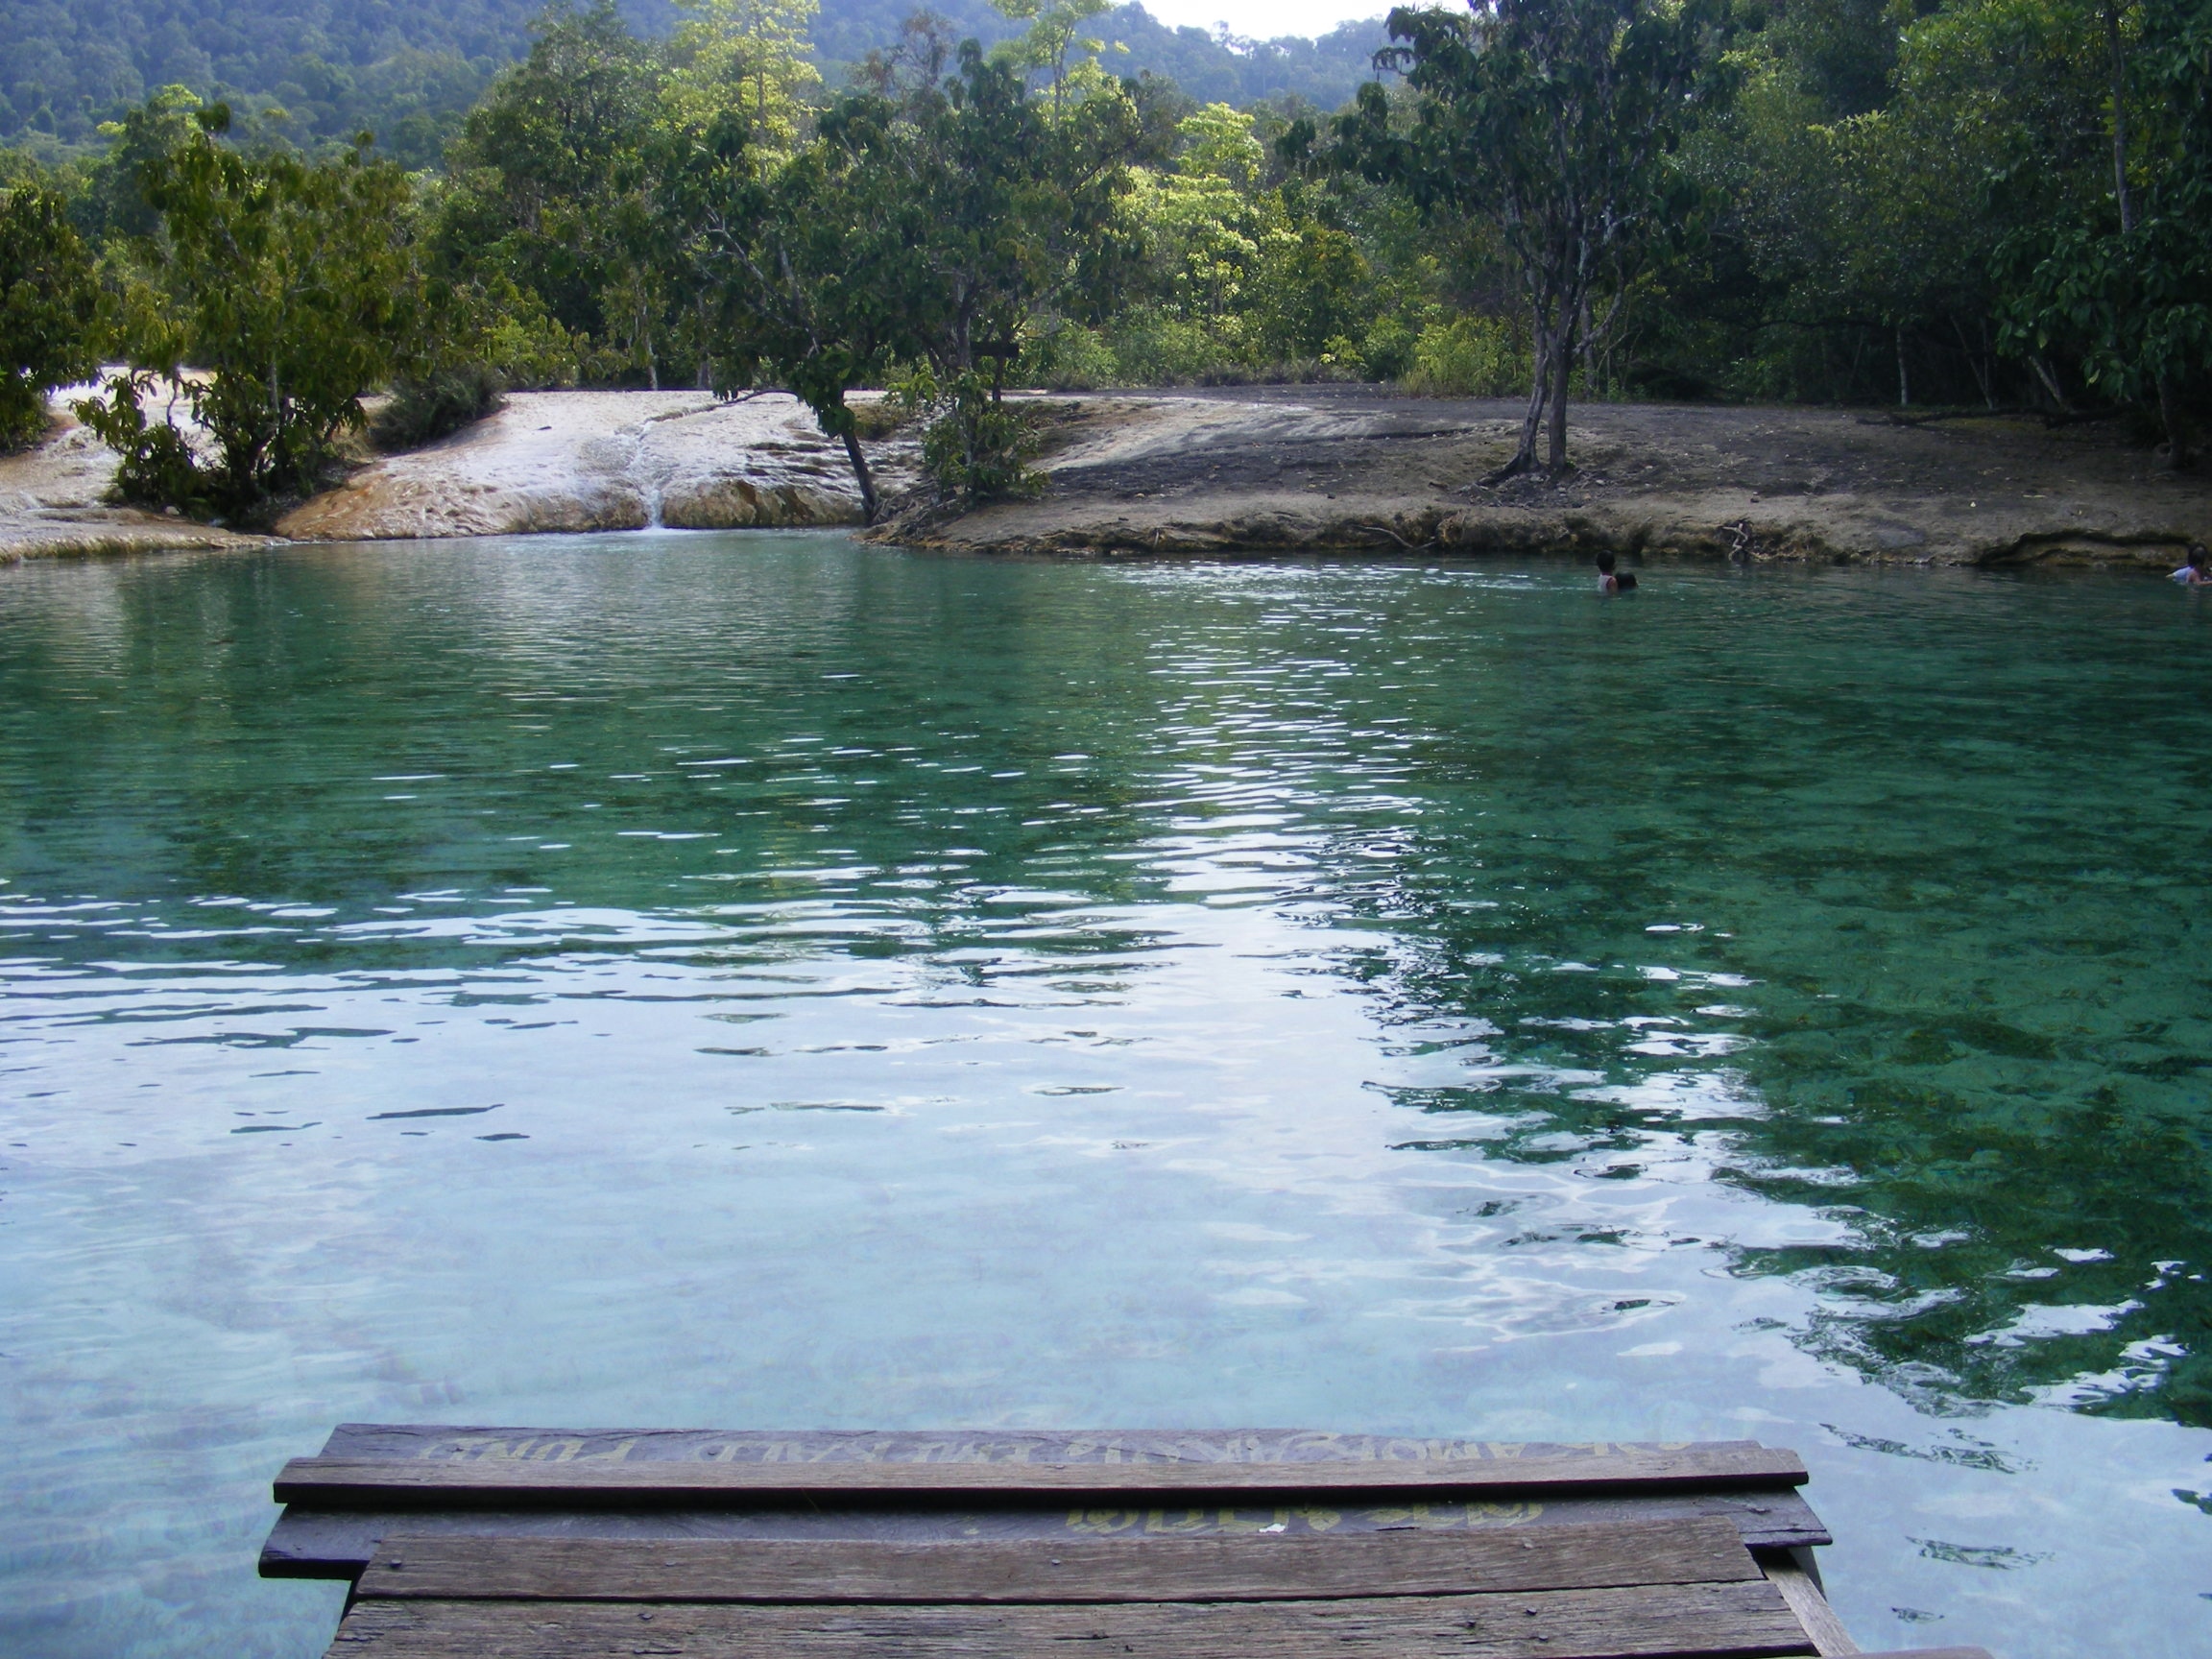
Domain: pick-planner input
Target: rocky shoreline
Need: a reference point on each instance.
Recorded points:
(1348, 469)
(1254, 471)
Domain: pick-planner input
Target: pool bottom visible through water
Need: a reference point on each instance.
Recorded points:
(760, 981)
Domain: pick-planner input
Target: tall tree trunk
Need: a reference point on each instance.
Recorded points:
(2177, 424)
(2050, 382)
(2169, 411)
(2118, 54)
(1976, 366)
(861, 476)
(1539, 398)
(1904, 386)
(1562, 366)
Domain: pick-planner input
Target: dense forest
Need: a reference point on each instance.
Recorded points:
(410, 69)
(1988, 203)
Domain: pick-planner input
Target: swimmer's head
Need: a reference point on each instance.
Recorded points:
(2197, 555)
(1605, 563)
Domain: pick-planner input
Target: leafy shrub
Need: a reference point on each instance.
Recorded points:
(521, 341)
(1155, 351)
(879, 418)
(436, 405)
(1469, 357)
(292, 288)
(1069, 359)
(48, 301)
(157, 466)
(1387, 352)
(975, 448)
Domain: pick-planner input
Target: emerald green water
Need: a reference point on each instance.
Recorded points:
(756, 980)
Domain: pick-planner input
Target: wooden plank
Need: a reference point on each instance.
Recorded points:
(338, 1480)
(447, 1443)
(1746, 1618)
(1830, 1640)
(311, 1543)
(1256, 1567)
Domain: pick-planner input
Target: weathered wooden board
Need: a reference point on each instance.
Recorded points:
(584, 1482)
(310, 1543)
(1803, 1593)
(443, 1442)
(1738, 1618)
(1241, 1569)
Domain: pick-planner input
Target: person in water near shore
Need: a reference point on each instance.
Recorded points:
(1610, 583)
(2194, 573)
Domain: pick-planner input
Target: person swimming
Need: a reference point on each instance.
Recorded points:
(2194, 573)
(1608, 582)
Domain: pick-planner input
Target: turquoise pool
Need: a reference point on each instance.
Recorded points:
(761, 981)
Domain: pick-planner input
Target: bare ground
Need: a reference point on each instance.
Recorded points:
(1253, 470)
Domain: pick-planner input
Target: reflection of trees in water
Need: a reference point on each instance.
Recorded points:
(2013, 1240)
(2021, 1216)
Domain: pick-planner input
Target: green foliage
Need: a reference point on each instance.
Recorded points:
(975, 448)
(2130, 296)
(546, 195)
(1554, 122)
(1996, 201)
(1209, 65)
(290, 289)
(408, 70)
(426, 408)
(49, 303)
(112, 203)
(750, 57)
(334, 68)
(933, 220)
(156, 465)
(1469, 357)
(802, 289)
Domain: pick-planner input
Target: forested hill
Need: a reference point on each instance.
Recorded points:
(1321, 72)
(408, 69)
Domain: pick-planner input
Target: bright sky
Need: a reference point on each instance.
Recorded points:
(1265, 20)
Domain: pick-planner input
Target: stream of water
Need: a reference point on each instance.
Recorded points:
(756, 980)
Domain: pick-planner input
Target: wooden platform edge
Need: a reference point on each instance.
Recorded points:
(1238, 1568)
(308, 1542)
(1740, 1619)
(332, 1481)
(1803, 1596)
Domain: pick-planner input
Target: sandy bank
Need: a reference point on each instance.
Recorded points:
(1351, 468)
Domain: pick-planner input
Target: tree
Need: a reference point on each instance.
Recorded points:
(1555, 121)
(1008, 211)
(48, 304)
(548, 188)
(1053, 44)
(751, 56)
(2130, 290)
(805, 289)
(289, 289)
(932, 217)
